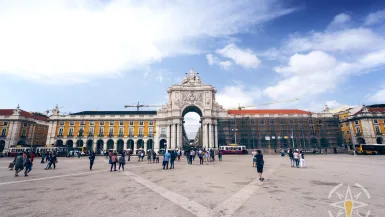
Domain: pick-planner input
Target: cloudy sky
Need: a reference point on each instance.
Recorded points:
(103, 54)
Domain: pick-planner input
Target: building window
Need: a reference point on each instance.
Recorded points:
(121, 123)
(151, 123)
(358, 130)
(111, 132)
(3, 132)
(271, 121)
(291, 121)
(378, 131)
(5, 124)
(92, 123)
(61, 130)
(81, 122)
(375, 121)
(252, 122)
(262, 122)
(101, 131)
(150, 131)
(72, 123)
(131, 123)
(101, 123)
(121, 131)
(23, 133)
(71, 132)
(163, 132)
(91, 131)
(25, 124)
(112, 123)
(131, 131)
(141, 123)
(141, 131)
(81, 131)
(61, 123)
(356, 122)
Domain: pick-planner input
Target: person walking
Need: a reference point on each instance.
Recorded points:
(122, 162)
(179, 153)
(149, 156)
(200, 157)
(259, 164)
(19, 164)
(49, 163)
(53, 161)
(28, 165)
(220, 155)
(92, 159)
(296, 158)
(303, 162)
(114, 159)
(191, 156)
(153, 156)
(291, 157)
(42, 157)
(166, 158)
(253, 154)
(172, 159)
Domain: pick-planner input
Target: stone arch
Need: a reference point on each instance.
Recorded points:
(131, 144)
(99, 146)
(70, 143)
(59, 143)
(139, 144)
(110, 144)
(163, 144)
(361, 140)
(21, 142)
(379, 140)
(150, 144)
(90, 145)
(191, 108)
(79, 143)
(2, 145)
(120, 146)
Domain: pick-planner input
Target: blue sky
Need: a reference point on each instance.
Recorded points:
(86, 55)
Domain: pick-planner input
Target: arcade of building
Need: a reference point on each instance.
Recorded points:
(263, 129)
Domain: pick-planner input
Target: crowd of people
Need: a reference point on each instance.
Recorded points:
(24, 160)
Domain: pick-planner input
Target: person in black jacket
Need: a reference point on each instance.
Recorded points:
(53, 161)
(259, 164)
(92, 158)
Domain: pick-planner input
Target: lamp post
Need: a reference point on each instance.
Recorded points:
(235, 130)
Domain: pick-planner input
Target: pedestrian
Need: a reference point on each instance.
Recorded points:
(303, 162)
(207, 156)
(42, 157)
(19, 164)
(220, 155)
(14, 162)
(149, 156)
(129, 155)
(259, 164)
(142, 155)
(191, 156)
(153, 156)
(53, 161)
(28, 165)
(49, 163)
(122, 162)
(113, 161)
(296, 158)
(166, 158)
(157, 158)
(253, 154)
(200, 157)
(172, 159)
(291, 157)
(179, 153)
(92, 159)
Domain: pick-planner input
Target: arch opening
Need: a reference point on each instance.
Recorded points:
(379, 140)
(191, 127)
(110, 144)
(361, 140)
(99, 146)
(70, 143)
(120, 146)
(130, 144)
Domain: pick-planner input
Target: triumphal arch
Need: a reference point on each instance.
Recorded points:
(190, 96)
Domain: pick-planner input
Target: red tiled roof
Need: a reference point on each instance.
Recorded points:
(380, 110)
(268, 112)
(8, 112)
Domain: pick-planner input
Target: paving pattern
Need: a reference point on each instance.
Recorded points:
(227, 188)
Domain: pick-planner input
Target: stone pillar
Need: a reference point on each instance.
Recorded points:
(172, 142)
(216, 136)
(205, 133)
(168, 131)
(145, 148)
(211, 136)
(178, 135)
(105, 145)
(156, 138)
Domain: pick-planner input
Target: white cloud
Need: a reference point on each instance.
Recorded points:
(243, 57)
(340, 19)
(378, 97)
(347, 40)
(225, 64)
(191, 124)
(333, 104)
(213, 60)
(375, 18)
(237, 94)
(74, 41)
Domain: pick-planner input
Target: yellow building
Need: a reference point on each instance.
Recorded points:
(18, 127)
(105, 130)
(363, 124)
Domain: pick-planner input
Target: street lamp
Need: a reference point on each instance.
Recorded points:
(235, 130)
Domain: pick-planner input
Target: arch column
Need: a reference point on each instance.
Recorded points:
(172, 142)
(105, 144)
(216, 136)
(168, 131)
(211, 136)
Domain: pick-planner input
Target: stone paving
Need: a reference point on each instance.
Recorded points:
(227, 188)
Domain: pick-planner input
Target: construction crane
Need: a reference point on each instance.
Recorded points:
(269, 103)
(137, 106)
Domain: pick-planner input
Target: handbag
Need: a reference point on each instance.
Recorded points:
(10, 165)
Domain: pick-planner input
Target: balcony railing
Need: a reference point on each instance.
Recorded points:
(163, 135)
(120, 135)
(110, 135)
(60, 136)
(359, 134)
(3, 135)
(140, 135)
(101, 135)
(131, 135)
(70, 135)
(90, 135)
(378, 133)
(151, 135)
(80, 135)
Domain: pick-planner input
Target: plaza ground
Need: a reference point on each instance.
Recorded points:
(227, 188)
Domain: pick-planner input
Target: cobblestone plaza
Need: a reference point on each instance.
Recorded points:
(227, 188)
